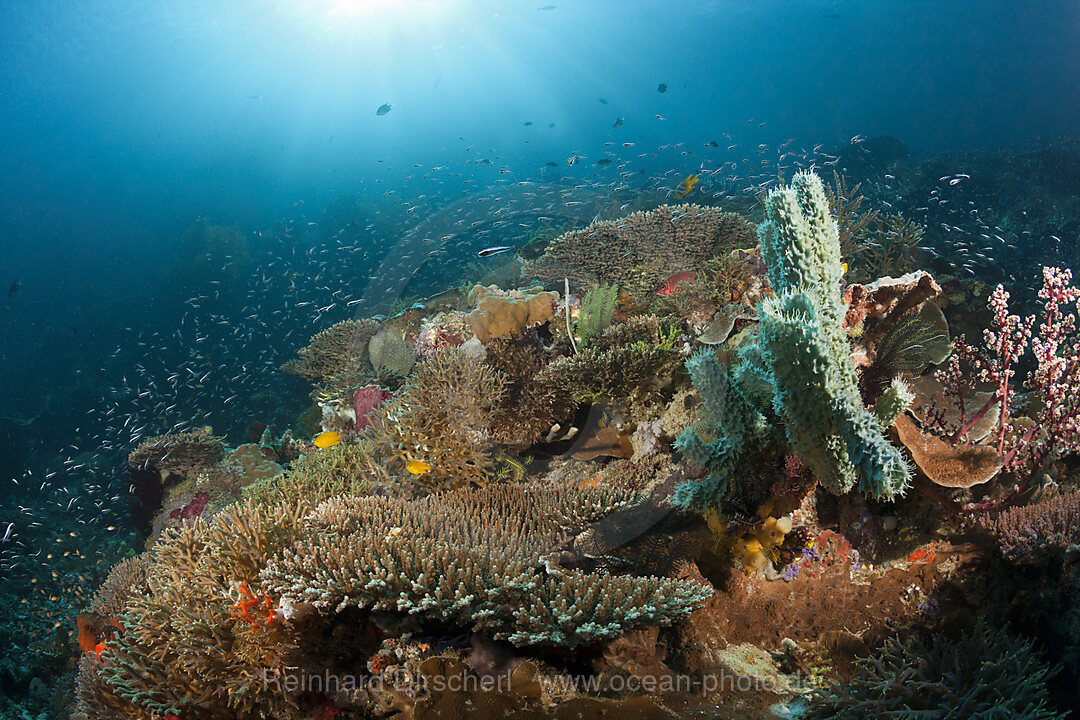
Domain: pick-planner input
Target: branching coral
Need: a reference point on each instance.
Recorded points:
(529, 408)
(984, 673)
(890, 247)
(622, 364)
(442, 417)
(197, 643)
(470, 557)
(1037, 532)
(660, 242)
(345, 468)
(845, 203)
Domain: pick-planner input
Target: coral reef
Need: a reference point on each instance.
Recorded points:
(530, 407)
(597, 310)
(344, 469)
(639, 252)
(980, 673)
(389, 351)
(336, 359)
(469, 557)
(178, 456)
(443, 417)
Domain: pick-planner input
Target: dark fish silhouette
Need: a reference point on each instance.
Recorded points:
(662, 87)
(618, 122)
(602, 101)
(383, 109)
(14, 288)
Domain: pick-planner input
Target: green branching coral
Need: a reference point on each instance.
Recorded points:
(805, 351)
(626, 361)
(442, 417)
(983, 674)
(732, 424)
(471, 557)
(346, 468)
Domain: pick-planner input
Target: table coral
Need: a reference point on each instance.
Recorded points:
(639, 252)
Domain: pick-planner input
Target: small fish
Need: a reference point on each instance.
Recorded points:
(497, 250)
(327, 439)
(603, 161)
(570, 161)
(618, 122)
(418, 467)
(687, 185)
(383, 109)
(528, 123)
(671, 285)
(14, 288)
(661, 88)
(713, 143)
(602, 101)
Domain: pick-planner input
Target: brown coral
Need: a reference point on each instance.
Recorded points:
(336, 360)
(181, 455)
(506, 314)
(626, 362)
(443, 418)
(529, 408)
(641, 251)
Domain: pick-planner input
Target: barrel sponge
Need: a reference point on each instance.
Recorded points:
(505, 314)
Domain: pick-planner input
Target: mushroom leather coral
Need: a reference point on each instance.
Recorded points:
(504, 314)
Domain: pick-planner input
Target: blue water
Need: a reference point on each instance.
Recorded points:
(123, 123)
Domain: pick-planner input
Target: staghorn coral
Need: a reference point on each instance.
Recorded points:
(639, 252)
(529, 408)
(623, 363)
(889, 247)
(983, 673)
(1037, 532)
(851, 225)
(470, 557)
(443, 416)
(126, 580)
(182, 455)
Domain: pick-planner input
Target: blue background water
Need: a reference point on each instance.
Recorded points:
(123, 122)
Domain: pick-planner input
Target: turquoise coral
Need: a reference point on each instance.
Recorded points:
(806, 355)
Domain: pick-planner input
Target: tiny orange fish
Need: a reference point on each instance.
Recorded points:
(671, 285)
(687, 185)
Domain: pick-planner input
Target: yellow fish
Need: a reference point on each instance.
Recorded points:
(687, 185)
(327, 439)
(418, 467)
